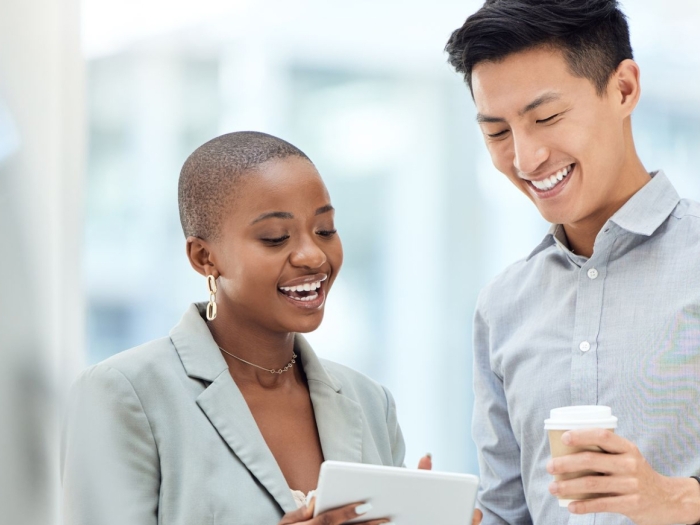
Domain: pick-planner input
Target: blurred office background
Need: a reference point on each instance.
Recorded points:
(364, 89)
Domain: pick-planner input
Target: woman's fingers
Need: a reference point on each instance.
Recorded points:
(478, 516)
(343, 514)
(426, 462)
(298, 516)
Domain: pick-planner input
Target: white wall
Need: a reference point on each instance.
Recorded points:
(41, 299)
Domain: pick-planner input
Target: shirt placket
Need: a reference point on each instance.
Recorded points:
(589, 311)
(584, 346)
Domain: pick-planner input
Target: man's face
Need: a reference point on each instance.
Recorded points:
(551, 134)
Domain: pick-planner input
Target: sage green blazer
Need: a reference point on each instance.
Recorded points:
(161, 434)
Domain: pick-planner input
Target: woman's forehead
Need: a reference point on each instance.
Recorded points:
(289, 185)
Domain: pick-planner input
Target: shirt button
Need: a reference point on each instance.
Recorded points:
(592, 273)
(585, 346)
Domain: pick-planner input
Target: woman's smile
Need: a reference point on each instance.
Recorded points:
(307, 292)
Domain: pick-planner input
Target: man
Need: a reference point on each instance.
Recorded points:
(606, 310)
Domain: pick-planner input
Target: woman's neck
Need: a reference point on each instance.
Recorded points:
(249, 341)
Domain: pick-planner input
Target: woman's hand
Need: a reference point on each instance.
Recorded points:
(304, 516)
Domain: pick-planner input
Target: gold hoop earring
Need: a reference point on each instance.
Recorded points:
(211, 306)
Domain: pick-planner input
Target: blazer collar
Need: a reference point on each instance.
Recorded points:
(339, 420)
(199, 353)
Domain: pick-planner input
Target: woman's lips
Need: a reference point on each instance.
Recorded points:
(310, 300)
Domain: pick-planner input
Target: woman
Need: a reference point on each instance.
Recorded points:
(228, 419)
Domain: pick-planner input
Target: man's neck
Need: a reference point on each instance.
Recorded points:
(582, 234)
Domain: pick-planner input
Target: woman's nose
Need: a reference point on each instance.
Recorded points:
(308, 255)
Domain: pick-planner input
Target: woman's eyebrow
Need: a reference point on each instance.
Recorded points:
(324, 209)
(288, 215)
(274, 215)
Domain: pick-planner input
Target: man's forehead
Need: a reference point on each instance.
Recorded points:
(520, 80)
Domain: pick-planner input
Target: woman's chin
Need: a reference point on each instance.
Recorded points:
(307, 323)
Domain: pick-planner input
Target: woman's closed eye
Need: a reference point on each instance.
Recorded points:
(326, 233)
(274, 241)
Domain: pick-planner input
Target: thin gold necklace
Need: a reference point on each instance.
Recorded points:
(272, 371)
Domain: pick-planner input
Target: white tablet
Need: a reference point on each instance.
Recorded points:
(405, 496)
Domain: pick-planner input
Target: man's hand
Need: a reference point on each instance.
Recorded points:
(631, 486)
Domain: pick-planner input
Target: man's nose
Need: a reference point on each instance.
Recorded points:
(528, 154)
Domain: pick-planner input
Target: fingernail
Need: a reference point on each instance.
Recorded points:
(550, 466)
(363, 509)
(566, 438)
(553, 487)
(429, 455)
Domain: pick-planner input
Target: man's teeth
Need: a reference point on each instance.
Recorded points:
(306, 287)
(549, 183)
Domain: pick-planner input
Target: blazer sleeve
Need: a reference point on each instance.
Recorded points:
(501, 493)
(398, 447)
(109, 458)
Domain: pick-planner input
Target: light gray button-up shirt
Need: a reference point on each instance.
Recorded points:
(620, 329)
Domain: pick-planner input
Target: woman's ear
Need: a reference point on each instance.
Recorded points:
(627, 87)
(199, 254)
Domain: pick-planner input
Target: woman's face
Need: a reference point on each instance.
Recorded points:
(278, 253)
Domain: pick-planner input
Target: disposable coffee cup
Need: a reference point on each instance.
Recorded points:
(575, 418)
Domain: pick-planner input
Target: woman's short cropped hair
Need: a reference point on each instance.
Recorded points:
(209, 176)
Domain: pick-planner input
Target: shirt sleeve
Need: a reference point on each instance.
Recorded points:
(109, 458)
(398, 447)
(501, 495)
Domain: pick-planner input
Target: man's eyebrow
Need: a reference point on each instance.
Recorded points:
(542, 99)
(324, 209)
(485, 119)
(274, 215)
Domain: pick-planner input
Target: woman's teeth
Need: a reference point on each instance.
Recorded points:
(550, 182)
(306, 287)
(307, 298)
(302, 292)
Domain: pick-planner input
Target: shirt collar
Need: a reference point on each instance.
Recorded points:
(642, 214)
(649, 207)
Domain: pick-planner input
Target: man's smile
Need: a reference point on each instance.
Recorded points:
(551, 185)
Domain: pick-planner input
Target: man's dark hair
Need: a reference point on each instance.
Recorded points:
(209, 176)
(592, 34)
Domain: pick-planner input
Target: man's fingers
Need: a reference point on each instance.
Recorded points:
(612, 485)
(616, 504)
(597, 437)
(593, 461)
(478, 516)
(426, 462)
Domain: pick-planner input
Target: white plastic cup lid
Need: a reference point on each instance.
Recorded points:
(578, 417)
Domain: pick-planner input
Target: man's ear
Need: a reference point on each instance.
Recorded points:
(626, 86)
(199, 255)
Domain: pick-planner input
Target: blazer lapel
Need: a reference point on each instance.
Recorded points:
(225, 406)
(227, 410)
(339, 419)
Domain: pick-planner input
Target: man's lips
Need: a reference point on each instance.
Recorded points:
(552, 181)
